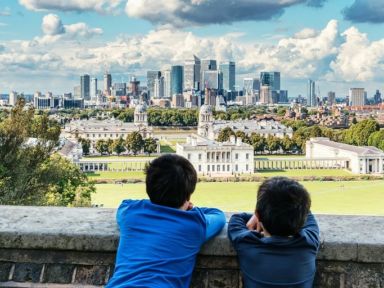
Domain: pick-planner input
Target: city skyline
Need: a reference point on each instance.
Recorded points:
(47, 45)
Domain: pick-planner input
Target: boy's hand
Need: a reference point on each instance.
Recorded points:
(254, 224)
(190, 206)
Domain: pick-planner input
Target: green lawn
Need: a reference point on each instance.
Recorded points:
(304, 172)
(287, 173)
(353, 197)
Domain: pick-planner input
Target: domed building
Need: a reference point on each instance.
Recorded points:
(210, 128)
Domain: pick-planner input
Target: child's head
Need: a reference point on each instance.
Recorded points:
(282, 206)
(170, 181)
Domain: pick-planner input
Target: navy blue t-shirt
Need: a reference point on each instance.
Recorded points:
(268, 262)
(158, 244)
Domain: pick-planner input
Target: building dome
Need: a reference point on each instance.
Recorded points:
(140, 108)
(206, 109)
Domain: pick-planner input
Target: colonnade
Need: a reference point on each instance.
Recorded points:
(279, 164)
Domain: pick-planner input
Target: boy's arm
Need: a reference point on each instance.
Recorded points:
(237, 227)
(311, 230)
(215, 220)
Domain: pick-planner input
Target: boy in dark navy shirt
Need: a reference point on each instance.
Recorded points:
(160, 237)
(277, 246)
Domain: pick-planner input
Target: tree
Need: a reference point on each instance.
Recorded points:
(287, 144)
(134, 142)
(85, 145)
(377, 139)
(225, 134)
(109, 146)
(273, 143)
(258, 142)
(101, 146)
(30, 174)
(118, 146)
(150, 146)
(358, 134)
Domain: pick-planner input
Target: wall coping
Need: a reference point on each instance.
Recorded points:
(343, 238)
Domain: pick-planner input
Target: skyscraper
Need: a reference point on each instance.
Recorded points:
(213, 80)
(159, 88)
(357, 97)
(206, 65)
(271, 79)
(250, 85)
(311, 94)
(177, 79)
(265, 94)
(85, 87)
(192, 69)
(93, 89)
(229, 75)
(151, 77)
(167, 83)
(107, 83)
(331, 98)
(377, 97)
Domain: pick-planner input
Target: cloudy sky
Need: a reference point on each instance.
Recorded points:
(46, 45)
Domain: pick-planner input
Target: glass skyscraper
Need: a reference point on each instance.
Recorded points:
(192, 73)
(229, 75)
(84, 87)
(271, 79)
(151, 77)
(177, 79)
(311, 94)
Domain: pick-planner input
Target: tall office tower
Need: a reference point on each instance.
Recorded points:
(213, 80)
(167, 83)
(134, 86)
(119, 89)
(151, 77)
(107, 83)
(13, 98)
(229, 75)
(93, 89)
(159, 88)
(357, 97)
(271, 79)
(251, 85)
(84, 86)
(311, 94)
(331, 98)
(265, 94)
(177, 79)
(283, 96)
(192, 69)
(377, 97)
(206, 65)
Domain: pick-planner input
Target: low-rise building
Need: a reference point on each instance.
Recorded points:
(362, 159)
(210, 157)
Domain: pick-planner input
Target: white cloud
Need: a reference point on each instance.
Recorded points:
(52, 25)
(324, 54)
(100, 6)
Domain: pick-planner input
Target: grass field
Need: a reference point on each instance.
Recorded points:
(353, 197)
(287, 173)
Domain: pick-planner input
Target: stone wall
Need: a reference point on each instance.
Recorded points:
(75, 247)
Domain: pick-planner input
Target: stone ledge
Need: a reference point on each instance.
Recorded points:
(344, 238)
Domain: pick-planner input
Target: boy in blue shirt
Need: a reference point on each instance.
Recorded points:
(160, 237)
(277, 246)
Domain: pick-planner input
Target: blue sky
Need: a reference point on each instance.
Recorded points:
(46, 45)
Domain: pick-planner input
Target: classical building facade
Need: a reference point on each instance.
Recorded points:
(210, 128)
(209, 157)
(362, 159)
(109, 129)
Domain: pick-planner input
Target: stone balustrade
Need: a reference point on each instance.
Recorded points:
(75, 247)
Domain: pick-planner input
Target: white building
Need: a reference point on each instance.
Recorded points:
(210, 128)
(109, 129)
(357, 97)
(362, 159)
(209, 157)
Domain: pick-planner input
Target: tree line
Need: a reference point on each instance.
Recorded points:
(366, 132)
(134, 143)
(31, 172)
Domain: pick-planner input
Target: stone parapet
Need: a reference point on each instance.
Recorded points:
(75, 247)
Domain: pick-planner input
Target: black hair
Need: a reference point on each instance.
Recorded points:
(170, 180)
(283, 205)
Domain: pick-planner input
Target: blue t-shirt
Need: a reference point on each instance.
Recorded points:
(158, 244)
(275, 261)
